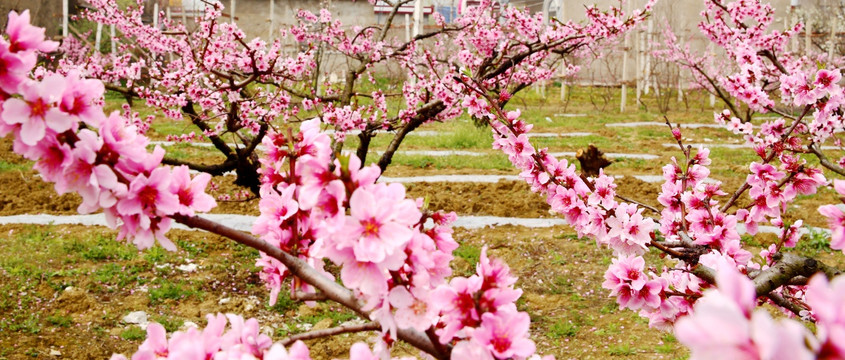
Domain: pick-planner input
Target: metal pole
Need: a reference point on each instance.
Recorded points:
(625, 49)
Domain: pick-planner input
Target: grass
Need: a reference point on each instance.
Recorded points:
(133, 333)
(171, 291)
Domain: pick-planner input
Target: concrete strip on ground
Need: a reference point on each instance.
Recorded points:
(656, 123)
(244, 222)
(734, 146)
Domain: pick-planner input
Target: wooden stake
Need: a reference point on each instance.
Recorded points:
(113, 39)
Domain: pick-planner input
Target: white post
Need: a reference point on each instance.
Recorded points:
(639, 64)
(561, 15)
(712, 54)
(155, 15)
(463, 6)
(98, 36)
(418, 15)
(624, 95)
(407, 27)
(808, 30)
(113, 39)
(272, 18)
(64, 17)
(232, 10)
(167, 13)
(647, 55)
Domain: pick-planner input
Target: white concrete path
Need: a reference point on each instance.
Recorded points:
(734, 146)
(657, 123)
(244, 222)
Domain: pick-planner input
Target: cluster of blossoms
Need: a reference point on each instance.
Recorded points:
(241, 341)
(58, 122)
(311, 207)
(694, 227)
(395, 263)
(725, 324)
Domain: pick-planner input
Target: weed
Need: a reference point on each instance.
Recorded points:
(470, 253)
(169, 324)
(561, 329)
(60, 320)
(816, 241)
(133, 333)
(621, 350)
(170, 291)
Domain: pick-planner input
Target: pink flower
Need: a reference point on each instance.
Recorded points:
(149, 197)
(25, 37)
(413, 308)
(505, 333)
(275, 208)
(379, 221)
(471, 350)
(80, 99)
(629, 231)
(723, 326)
(13, 68)
(37, 111)
(836, 223)
(457, 304)
(826, 79)
(627, 281)
(191, 192)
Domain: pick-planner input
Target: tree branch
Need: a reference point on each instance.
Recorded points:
(424, 113)
(824, 161)
(789, 266)
(301, 269)
(370, 326)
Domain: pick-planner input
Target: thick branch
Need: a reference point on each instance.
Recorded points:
(343, 329)
(221, 145)
(789, 266)
(215, 170)
(814, 148)
(301, 269)
(426, 112)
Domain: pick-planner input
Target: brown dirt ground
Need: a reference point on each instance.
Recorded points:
(561, 278)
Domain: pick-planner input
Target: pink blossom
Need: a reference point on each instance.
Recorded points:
(37, 111)
(505, 333)
(26, 37)
(191, 192)
(379, 221)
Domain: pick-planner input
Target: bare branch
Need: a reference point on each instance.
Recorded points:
(301, 269)
(343, 329)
